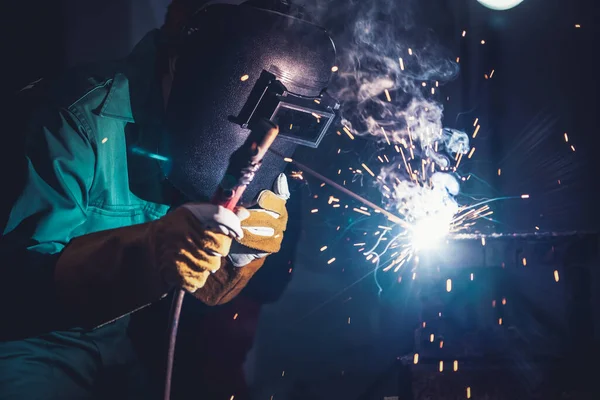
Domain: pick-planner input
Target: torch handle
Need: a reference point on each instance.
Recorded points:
(244, 163)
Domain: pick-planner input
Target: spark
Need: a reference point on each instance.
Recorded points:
(499, 321)
(464, 33)
(104, 140)
(235, 316)
(334, 68)
(472, 276)
(386, 136)
(244, 78)
(387, 95)
(410, 52)
(368, 170)
(524, 196)
(347, 131)
(401, 63)
(457, 59)
(441, 344)
(458, 161)
(287, 159)
(471, 152)
(323, 248)
(483, 241)
(449, 285)
(416, 358)
(331, 260)
(482, 41)
(431, 338)
(476, 121)
(492, 74)
(504, 301)
(314, 210)
(566, 137)
(441, 366)
(577, 26)
(524, 262)
(556, 277)
(499, 171)
(455, 365)
(476, 131)
(358, 210)
(572, 147)
(468, 392)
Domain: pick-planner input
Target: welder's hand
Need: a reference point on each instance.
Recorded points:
(263, 229)
(104, 275)
(191, 242)
(263, 225)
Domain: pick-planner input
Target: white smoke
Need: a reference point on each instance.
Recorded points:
(390, 76)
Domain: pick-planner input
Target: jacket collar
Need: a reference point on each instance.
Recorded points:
(135, 94)
(117, 103)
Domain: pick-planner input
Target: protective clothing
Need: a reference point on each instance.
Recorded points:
(263, 229)
(104, 275)
(91, 165)
(263, 64)
(263, 226)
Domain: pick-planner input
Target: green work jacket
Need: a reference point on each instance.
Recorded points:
(86, 139)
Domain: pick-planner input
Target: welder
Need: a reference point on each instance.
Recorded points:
(111, 199)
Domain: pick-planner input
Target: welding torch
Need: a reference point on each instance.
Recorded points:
(243, 165)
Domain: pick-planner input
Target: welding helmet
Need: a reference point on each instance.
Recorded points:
(237, 64)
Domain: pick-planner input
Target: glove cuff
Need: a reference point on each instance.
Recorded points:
(225, 284)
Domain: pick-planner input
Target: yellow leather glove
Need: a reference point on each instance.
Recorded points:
(107, 274)
(263, 227)
(190, 247)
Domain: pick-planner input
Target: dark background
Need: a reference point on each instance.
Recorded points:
(545, 83)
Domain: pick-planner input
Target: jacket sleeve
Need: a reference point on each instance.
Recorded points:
(51, 196)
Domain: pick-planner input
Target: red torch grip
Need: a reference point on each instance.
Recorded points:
(243, 164)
